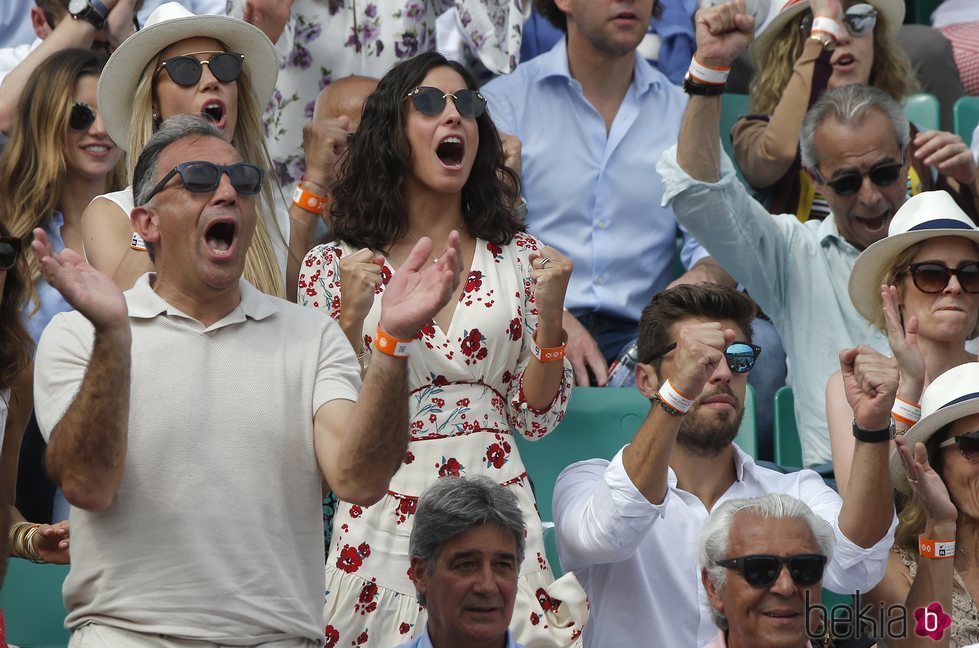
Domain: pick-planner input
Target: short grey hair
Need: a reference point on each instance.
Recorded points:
(453, 505)
(716, 535)
(170, 131)
(850, 105)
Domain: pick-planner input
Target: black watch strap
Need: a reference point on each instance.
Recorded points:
(692, 87)
(873, 436)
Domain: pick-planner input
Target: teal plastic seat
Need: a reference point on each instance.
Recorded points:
(33, 608)
(788, 447)
(923, 110)
(965, 116)
(598, 422)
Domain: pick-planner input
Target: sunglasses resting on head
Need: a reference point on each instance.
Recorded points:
(9, 251)
(431, 101)
(203, 177)
(761, 570)
(186, 70)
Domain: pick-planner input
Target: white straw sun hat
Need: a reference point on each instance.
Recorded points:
(169, 24)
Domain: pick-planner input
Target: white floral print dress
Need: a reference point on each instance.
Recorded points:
(465, 398)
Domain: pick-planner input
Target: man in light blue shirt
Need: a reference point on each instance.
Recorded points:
(593, 118)
(466, 547)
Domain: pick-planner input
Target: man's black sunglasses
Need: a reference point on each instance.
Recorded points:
(186, 70)
(9, 251)
(741, 356)
(882, 175)
(761, 570)
(202, 177)
(431, 101)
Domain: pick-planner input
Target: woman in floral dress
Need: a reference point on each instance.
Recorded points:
(427, 161)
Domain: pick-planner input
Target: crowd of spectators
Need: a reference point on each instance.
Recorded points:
(282, 280)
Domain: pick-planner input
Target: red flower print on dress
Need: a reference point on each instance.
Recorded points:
(356, 511)
(495, 456)
(406, 508)
(515, 329)
(364, 549)
(367, 602)
(351, 559)
(404, 628)
(428, 331)
(546, 602)
(362, 638)
(494, 249)
(385, 275)
(332, 636)
(534, 618)
(463, 402)
(474, 281)
(450, 467)
(440, 381)
(409, 456)
(472, 346)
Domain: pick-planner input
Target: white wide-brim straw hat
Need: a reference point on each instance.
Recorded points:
(169, 24)
(950, 397)
(927, 215)
(782, 11)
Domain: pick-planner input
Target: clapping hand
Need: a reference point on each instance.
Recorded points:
(420, 288)
(360, 275)
(948, 153)
(926, 485)
(903, 339)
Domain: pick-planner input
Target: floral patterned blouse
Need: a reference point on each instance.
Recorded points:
(332, 39)
(466, 397)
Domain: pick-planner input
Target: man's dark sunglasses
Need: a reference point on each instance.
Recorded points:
(202, 177)
(859, 20)
(968, 444)
(9, 251)
(762, 570)
(932, 277)
(431, 101)
(81, 117)
(882, 175)
(186, 70)
(741, 356)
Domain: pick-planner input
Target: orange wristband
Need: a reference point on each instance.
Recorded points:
(392, 346)
(549, 354)
(313, 203)
(936, 548)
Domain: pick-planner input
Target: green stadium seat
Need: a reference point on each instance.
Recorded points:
(788, 448)
(33, 610)
(965, 116)
(922, 109)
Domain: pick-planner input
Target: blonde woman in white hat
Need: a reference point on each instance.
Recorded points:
(220, 67)
(808, 47)
(936, 546)
(920, 285)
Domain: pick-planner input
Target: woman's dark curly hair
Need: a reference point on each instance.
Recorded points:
(17, 347)
(369, 208)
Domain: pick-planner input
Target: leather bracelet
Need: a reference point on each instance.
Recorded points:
(692, 87)
(666, 408)
(873, 436)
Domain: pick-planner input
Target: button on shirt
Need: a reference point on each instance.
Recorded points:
(638, 561)
(594, 193)
(797, 272)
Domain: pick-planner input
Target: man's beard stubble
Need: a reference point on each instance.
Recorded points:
(706, 434)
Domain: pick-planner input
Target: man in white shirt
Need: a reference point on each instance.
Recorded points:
(629, 528)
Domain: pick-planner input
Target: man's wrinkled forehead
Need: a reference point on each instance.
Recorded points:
(843, 147)
(196, 148)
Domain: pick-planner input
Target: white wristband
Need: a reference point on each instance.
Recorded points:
(703, 74)
(905, 412)
(669, 395)
(827, 25)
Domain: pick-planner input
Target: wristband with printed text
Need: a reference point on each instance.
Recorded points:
(390, 345)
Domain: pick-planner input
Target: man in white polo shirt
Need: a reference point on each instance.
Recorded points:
(192, 421)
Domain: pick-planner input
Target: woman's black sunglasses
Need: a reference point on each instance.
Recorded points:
(741, 356)
(202, 177)
(932, 277)
(81, 117)
(762, 570)
(431, 101)
(968, 444)
(186, 70)
(859, 20)
(882, 175)
(9, 251)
